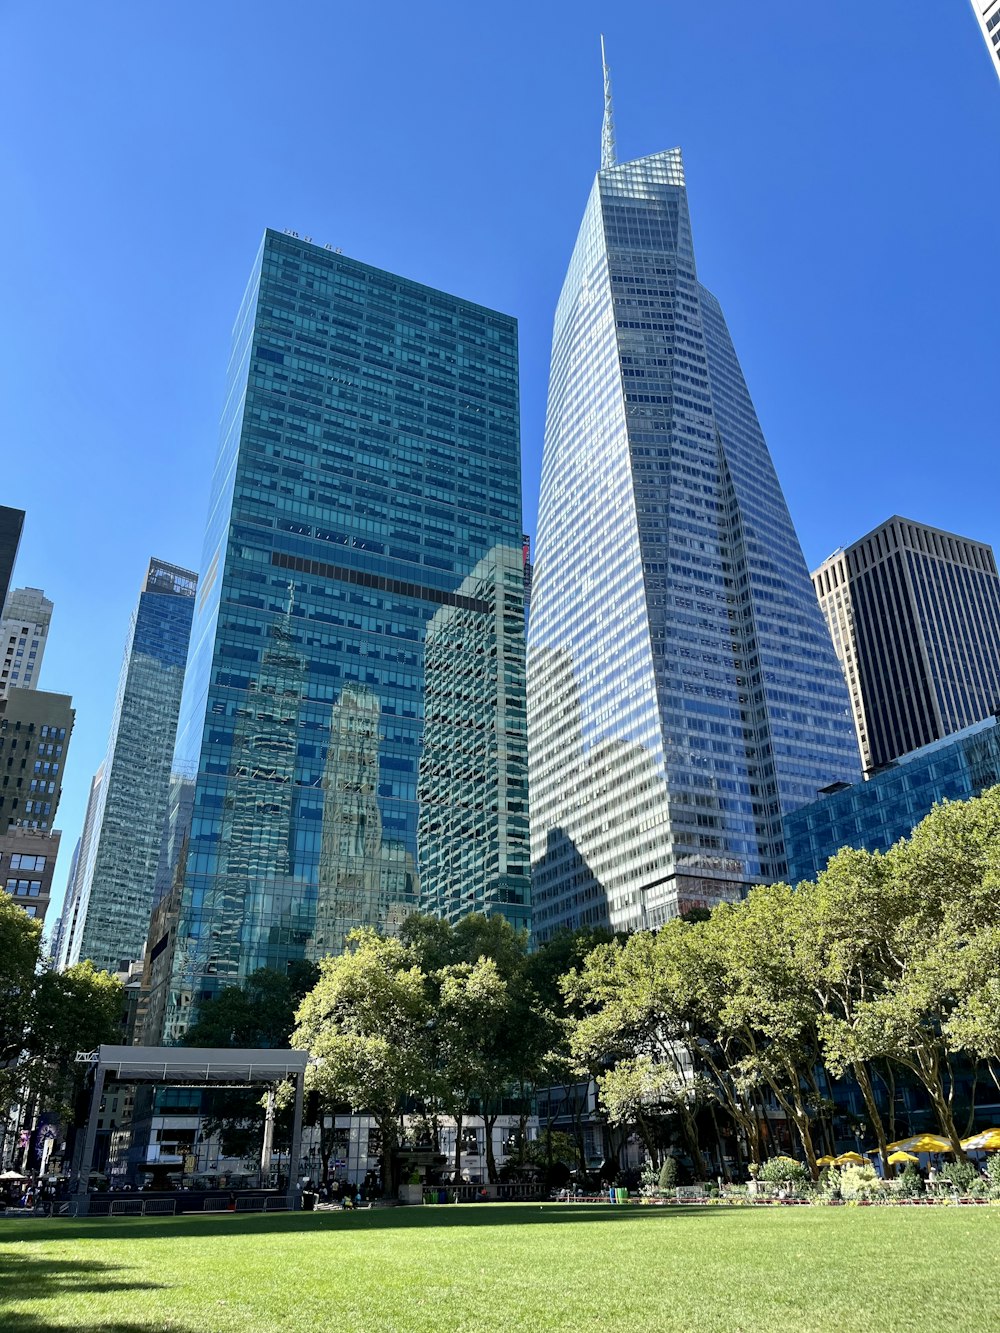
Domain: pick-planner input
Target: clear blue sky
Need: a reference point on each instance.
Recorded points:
(843, 165)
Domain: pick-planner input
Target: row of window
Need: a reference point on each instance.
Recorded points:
(24, 888)
(22, 861)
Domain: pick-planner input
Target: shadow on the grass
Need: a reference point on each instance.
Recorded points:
(25, 1278)
(27, 1323)
(365, 1219)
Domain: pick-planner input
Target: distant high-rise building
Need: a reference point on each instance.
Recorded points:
(988, 16)
(369, 465)
(24, 629)
(115, 892)
(60, 923)
(35, 730)
(529, 571)
(473, 848)
(27, 864)
(11, 526)
(71, 899)
(683, 691)
(915, 616)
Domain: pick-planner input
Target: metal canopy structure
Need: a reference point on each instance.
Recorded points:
(198, 1065)
(175, 1066)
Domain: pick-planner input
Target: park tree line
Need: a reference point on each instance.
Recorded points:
(885, 971)
(46, 1017)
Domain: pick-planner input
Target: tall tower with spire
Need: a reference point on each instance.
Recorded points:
(683, 692)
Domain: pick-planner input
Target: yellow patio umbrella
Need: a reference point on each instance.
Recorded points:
(987, 1140)
(923, 1143)
(896, 1157)
(825, 1160)
(854, 1158)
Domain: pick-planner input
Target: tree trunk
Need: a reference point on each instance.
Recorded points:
(723, 1165)
(458, 1147)
(489, 1123)
(387, 1128)
(972, 1101)
(522, 1134)
(860, 1071)
(799, 1117)
(691, 1134)
(579, 1104)
(325, 1149)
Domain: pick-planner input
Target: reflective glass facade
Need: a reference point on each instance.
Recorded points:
(353, 733)
(683, 689)
(877, 813)
(111, 896)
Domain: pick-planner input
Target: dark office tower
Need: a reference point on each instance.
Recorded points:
(35, 729)
(915, 618)
(112, 896)
(683, 691)
(11, 524)
(369, 463)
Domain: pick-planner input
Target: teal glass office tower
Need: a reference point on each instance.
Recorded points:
(875, 814)
(682, 685)
(360, 618)
(110, 895)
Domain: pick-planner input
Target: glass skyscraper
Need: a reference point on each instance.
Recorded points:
(352, 743)
(110, 897)
(683, 689)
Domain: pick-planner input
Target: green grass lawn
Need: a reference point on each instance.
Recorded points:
(500, 1267)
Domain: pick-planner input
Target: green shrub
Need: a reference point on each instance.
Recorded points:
(962, 1175)
(861, 1183)
(779, 1170)
(910, 1183)
(829, 1184)
(649, 1181)
(668, 1174)
(993, 1172)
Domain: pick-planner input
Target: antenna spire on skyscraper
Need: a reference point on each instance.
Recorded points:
(608, 158)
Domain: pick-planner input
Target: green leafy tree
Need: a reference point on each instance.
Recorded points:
(770, 1005)
(492, 1033)
(627, 1017)
(846, 942)
(258, 1013)
(940, 904)
(75, 1010)
(471, 1013)
(366, 1023)
(20, 944)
